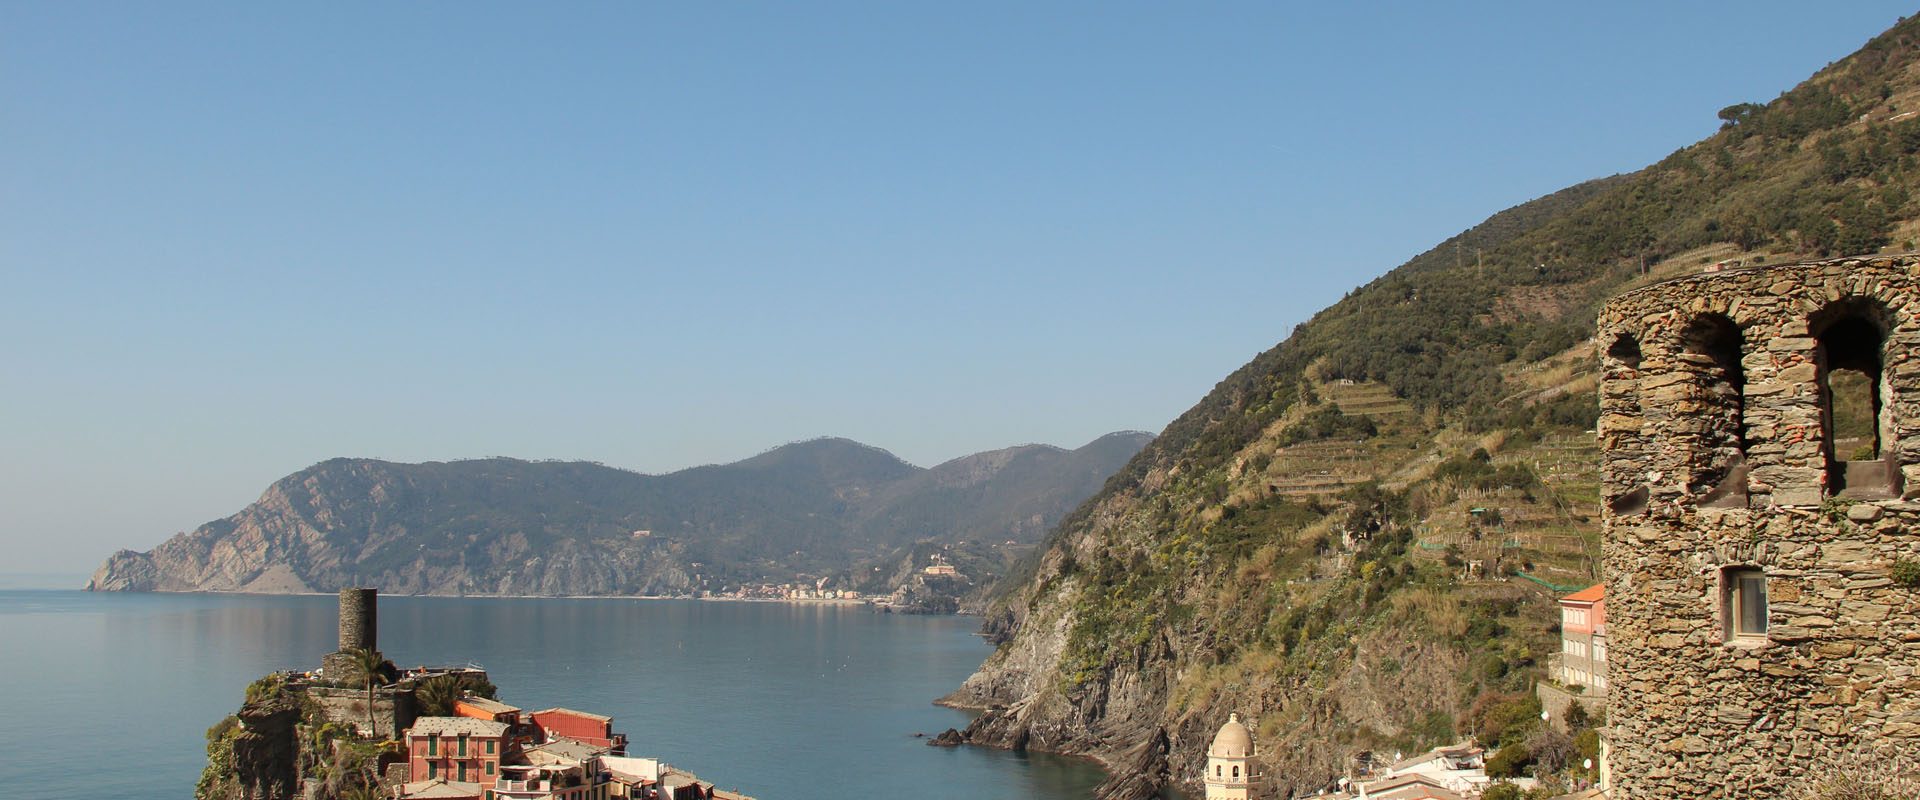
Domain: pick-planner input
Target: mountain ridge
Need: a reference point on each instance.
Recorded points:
(815, 509)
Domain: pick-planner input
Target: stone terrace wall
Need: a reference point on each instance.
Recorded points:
(1695, 712)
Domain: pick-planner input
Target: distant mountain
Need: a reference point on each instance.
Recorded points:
(827, 508)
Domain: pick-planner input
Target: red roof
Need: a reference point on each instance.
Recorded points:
(1591, 594)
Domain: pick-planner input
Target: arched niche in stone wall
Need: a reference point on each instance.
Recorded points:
(1619, 428)
(1711, 347)
(1856, 400)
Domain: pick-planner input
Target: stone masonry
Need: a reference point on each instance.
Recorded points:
(359, 629)
(1721, 467)
(359, 619)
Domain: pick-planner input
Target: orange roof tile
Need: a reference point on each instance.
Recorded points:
(1590, 594)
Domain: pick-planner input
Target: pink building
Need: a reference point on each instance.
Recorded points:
(1583, 640)
(456, 749)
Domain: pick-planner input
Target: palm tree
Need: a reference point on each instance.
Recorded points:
(366, 665)
(437, 695)
(362, 791)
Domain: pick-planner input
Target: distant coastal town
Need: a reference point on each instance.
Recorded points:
(360, 728)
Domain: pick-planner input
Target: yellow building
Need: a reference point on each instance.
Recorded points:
(1230, 768)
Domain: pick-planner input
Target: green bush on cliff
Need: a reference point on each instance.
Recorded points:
(1327, 422)
(217, 780)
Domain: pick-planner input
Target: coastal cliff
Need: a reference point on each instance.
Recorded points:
(829, 508)
(1354, 541)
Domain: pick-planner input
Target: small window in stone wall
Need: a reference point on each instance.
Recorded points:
(1743, 603)
(1625, 350)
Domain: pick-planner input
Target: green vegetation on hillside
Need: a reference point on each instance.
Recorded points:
(1383, 579)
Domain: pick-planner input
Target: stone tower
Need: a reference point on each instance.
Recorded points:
(1230, 773)
(1760, 428)
(359, 619)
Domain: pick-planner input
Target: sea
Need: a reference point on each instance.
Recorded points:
(110, 695)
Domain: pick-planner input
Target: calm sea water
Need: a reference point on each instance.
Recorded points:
(111, 694)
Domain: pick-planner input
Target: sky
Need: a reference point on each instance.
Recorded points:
(238, 239)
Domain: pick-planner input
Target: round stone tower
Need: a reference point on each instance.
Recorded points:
(359, 619)
(1760, 436)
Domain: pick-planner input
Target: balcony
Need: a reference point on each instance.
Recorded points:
(540, 785)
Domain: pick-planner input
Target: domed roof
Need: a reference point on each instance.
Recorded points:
(1233, 740)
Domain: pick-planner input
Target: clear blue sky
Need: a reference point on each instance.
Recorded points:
(238, 239)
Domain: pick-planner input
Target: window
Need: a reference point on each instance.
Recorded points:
(433, 744)
(1743, 603)
(1217, 770)
(1854, 408)
(490, 744)
(1236, 772)
(463, 744)
(489, 768)
(1599, 651)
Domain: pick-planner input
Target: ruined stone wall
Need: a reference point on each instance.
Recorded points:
(394, 708)
(1694, 711)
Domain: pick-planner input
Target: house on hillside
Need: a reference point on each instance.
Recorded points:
(593, 729)
(457, 749)
(1459, 768)
(1583, 640)
(474, 707)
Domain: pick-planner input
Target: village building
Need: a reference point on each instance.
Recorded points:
(443, 789)
(551, 781)
(1583, 641)
(1760, 430)
(460, 749)
(580, 726)
(484, 708)
(1406, 787)
(1457, 768)
(1230, 767)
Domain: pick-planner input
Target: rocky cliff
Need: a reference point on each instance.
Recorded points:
(820, 509)
(1355, 540)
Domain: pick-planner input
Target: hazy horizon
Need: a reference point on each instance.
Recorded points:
(242, 240)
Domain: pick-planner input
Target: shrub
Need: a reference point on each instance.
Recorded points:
(1510, 762)
(1503, 791)
(1863, 775)
(1906, 572)
(1551, 750)
(1326, 423)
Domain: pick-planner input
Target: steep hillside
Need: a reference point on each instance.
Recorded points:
(1354, 540)
(828, 508)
